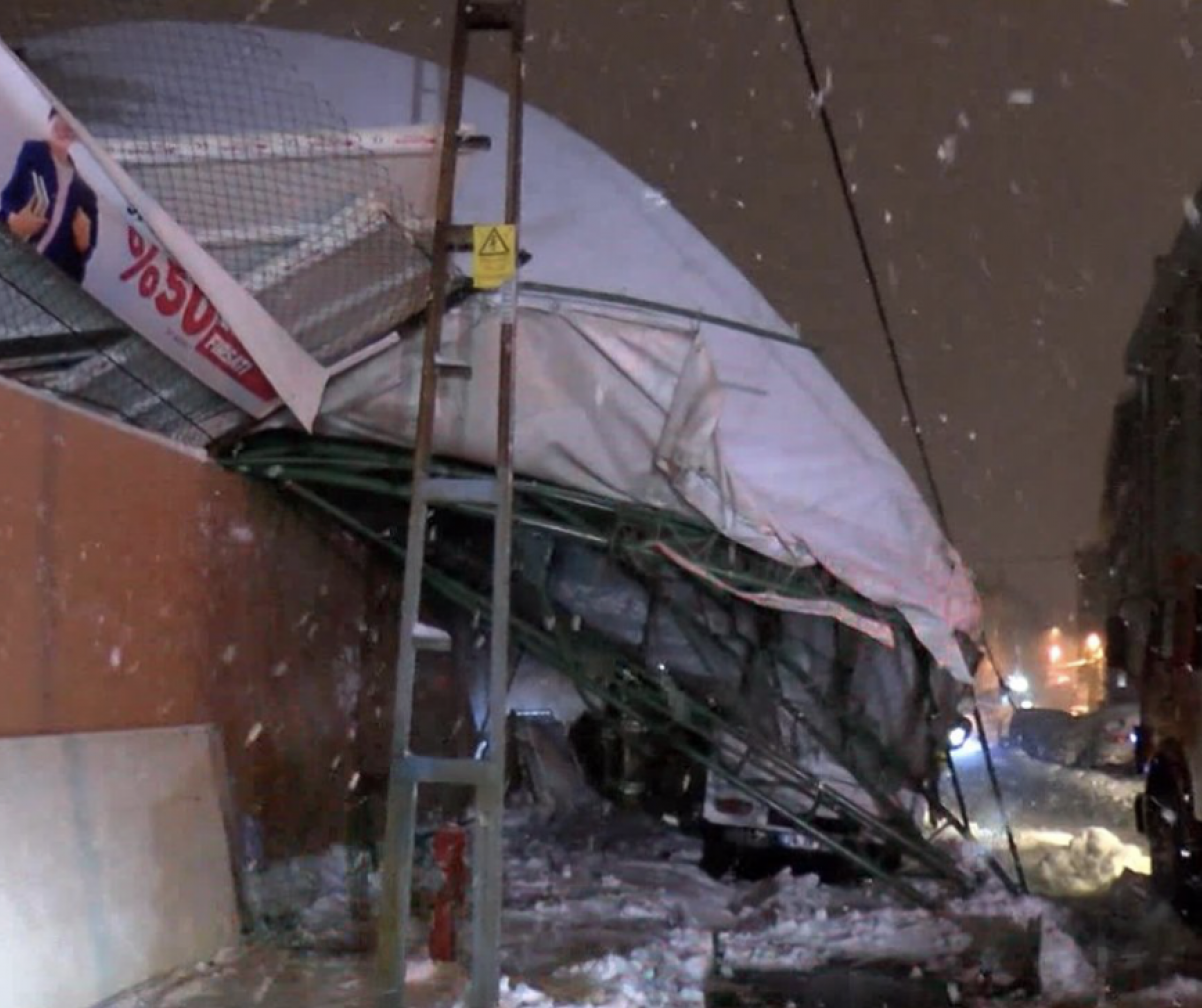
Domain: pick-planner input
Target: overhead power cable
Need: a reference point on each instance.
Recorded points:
(878, 300)
(818, 97)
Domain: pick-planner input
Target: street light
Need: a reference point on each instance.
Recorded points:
(1093, 643)
(1018, 683)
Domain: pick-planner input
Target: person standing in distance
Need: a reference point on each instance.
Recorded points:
(47, 204)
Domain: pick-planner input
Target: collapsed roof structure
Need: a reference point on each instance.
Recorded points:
(704, 512)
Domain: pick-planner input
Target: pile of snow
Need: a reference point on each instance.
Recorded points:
(315, 901)
(1011, 939)
(671, 971)
(1063, 864)
(805, 925)
(610, 911)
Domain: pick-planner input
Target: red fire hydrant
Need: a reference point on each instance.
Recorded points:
(450, 848)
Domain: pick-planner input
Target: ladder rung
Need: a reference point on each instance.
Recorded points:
(453, 367)
(435, 770)
(477, 490)
(473, 142)
(428, 638)
(492, 15)
(459, 237)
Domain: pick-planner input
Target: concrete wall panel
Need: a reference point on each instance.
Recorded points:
(114, 863)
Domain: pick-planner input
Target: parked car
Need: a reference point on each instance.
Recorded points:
(1040, 732)
(1101, 739)
(1110, 736)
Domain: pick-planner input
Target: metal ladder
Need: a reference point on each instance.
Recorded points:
(486, 774)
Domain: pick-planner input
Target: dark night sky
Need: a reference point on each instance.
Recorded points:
(1014, 269)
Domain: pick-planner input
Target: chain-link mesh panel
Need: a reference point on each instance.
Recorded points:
(56, 337)
(217, 124)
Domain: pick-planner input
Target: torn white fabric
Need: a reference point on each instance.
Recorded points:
(755, 436)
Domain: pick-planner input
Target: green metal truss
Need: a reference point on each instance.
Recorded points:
(349, 480)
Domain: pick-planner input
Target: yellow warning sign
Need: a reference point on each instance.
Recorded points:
(494, 254)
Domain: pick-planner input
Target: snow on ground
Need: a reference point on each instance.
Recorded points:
(613, 911)
(1074, 828)
(610, 910)
(1178, 992)
(1045, 796)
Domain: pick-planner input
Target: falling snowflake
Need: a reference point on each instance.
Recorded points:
(242, 534)
(115, 657)
(819, 98)
(254, 733)
(656, 198)
(1021, 96)
(1192, 213)
(946, 151)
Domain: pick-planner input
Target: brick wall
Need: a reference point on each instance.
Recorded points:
(144, 586)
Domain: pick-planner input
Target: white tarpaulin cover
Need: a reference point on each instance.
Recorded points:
(752, 434)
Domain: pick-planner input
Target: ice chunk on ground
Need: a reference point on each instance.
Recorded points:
(1064, 972)
(1176, 992)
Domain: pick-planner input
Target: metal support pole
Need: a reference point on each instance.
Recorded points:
(1189, 389)
(486, 923)
(486, 774)
(402, 792)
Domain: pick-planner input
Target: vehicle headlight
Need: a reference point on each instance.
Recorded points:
(959, 733)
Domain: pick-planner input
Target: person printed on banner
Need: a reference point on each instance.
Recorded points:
(48, 204)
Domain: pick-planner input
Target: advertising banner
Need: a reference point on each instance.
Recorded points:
(66, 197)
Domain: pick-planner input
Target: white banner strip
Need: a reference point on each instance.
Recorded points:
(67, 196)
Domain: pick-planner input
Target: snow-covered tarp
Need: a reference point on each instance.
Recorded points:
(691, 414)
(751, 433)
